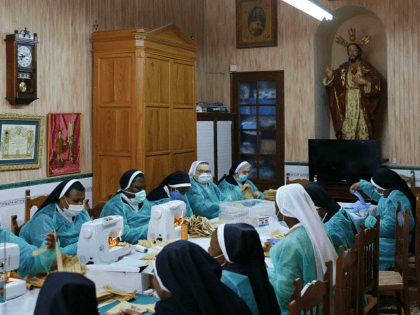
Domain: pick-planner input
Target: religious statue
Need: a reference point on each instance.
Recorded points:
(353, 92)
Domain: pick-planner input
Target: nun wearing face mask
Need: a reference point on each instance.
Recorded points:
(233, 185)
(173, 187)
(387, 188)
(338, 224)
(130, 202)
(237, 248)
(62, 212)
(306, 247)
(204, 196)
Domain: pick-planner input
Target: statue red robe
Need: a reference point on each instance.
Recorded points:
(339, 90)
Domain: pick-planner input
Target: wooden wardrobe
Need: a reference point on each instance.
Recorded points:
(144, 105)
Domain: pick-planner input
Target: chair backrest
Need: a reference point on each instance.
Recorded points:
(318, 295)
(410, 179)
(416, 192)
(402, 241)
(368, 264)
(346, 281)
(301, 181)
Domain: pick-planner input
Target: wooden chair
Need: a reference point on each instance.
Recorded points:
(301, 181)
(396, 282)
(29, 203)
(317, 295)
(410, 179)
(95, 212)
(415, 260)
(346, 281)
(368, 265)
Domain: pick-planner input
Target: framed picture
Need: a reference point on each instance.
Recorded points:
(21, 142)
(256, 23)
(64, 135)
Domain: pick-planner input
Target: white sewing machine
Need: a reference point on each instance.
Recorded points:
(13, 287)
(98, 241)
(161, 223)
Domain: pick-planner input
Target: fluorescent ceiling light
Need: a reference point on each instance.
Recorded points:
(312, 7)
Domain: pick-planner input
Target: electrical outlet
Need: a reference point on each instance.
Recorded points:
(394, 160)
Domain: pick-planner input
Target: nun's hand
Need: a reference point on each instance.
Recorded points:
(257, 194)
(354, 187)
(245, 186)
(50, 240)
(267, 246)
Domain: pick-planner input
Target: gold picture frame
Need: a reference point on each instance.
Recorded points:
(21, 141)
(256, 23)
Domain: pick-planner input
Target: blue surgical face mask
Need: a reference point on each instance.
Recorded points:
(242, 177)
(204, 178)
(138, 197)
(283, 223)
(176, 194)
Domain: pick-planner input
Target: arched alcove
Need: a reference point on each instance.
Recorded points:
(328, 52)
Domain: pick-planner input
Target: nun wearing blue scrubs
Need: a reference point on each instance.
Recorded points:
(62, 212)
(173, 187)
(338, 224)
(204, 196)
(233, 185)
(187, 280)
(237, 248)
(130, 202)
(387, 188)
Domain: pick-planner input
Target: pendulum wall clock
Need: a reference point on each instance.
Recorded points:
(21, 67)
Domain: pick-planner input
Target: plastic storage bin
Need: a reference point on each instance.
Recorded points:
(246, 211)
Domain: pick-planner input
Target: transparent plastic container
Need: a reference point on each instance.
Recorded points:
(246, 211)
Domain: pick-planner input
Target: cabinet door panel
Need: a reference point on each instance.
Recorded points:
(182, 86)
(157, 81)
(157, 129)
(114, 130)
(110, 171)
(157, 168)
(183, 161)
(115, 80)
(183, 130)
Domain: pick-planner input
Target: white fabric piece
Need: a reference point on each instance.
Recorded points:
(243, 164)
(71, 182)
(158, 278)
(375, 185)
(180, 185)
(293, 201)
(131, 178)
(193, 168)
(221, 240)
(132, 205)
(66, 216)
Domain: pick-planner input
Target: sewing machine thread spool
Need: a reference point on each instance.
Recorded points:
(141, 249)
(184, 232)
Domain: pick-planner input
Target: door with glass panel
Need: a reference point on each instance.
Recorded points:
(258, 100)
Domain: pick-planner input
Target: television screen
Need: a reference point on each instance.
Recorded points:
(343, 162)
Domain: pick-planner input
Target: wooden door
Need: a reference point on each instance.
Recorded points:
(114, 135)
(258, 100)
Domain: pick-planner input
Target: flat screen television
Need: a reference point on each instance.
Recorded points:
(343, 162)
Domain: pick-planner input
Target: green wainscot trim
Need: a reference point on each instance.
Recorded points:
(409, 168)
(44, 181)
(297, 163)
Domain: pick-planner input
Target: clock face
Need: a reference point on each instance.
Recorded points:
(24, 56)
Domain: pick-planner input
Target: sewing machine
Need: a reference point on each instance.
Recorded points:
(13, 287)
(161, 223)
(98, 241)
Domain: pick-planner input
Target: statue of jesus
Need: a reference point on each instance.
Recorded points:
(353, 93)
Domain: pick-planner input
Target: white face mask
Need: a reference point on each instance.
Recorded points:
(204, 178)
(73, 210)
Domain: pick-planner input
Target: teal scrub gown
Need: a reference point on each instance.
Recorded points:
(28, 264)
(242, 287)
(293, 257)
(48, 219)
(205, 201)
(233, 192)
(387, 209)
(339, 229)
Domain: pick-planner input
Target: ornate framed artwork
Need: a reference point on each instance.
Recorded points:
(64, 135)
(21, 140)
(256, 23)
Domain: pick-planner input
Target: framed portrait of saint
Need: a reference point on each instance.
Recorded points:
(64, 136)
(21, 142)
(256, 23)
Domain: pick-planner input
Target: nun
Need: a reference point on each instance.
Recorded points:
(173, 187)
(233, 185)
(338, 224)
(387, 188)
(130, 202)
(306, 247)
(67, 293)
(204, 196)
(62, 212)
(237, 248)
(29, 264)
(187, 280)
